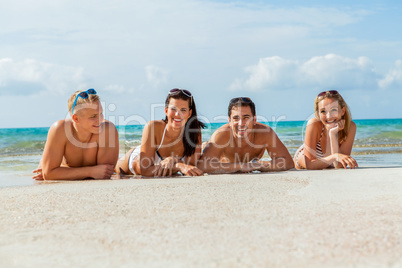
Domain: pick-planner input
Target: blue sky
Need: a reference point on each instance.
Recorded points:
(133, 52)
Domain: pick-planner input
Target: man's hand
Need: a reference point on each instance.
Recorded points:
(265, 166)
(102, 172)
(189, 170)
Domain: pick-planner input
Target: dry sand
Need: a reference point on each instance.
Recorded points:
(329, 218)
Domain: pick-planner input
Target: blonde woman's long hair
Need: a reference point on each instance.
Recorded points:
(332, 94)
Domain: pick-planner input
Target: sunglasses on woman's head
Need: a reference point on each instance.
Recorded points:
(184, 91)
(332, 92)
(84, 95)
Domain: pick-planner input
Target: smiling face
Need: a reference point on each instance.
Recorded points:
(89, 116)
(330, 111)
(177, 112)
(241, 121)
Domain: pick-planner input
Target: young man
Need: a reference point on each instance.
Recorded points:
(83, 146)
(239, 145)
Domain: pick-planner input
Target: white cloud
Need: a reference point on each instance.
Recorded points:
(156, 76)
(115, 88)
(393, 77)
(30, 76)
(147, 25)
(200, 35)
(191, 11)
(329, 71)
(271, 72)
(201, 45)
(337, 71)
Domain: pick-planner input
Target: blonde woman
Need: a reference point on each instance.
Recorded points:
(329, 136)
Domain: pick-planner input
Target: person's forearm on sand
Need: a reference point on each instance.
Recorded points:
(342, 160)
(339, 160)
(78, 173)
(216, 167)
(320, 163)
(277, 164)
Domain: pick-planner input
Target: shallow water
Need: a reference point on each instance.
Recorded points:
(378, 143)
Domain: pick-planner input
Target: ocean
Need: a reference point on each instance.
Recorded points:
(378, 143)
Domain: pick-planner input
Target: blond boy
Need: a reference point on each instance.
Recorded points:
(83, 146)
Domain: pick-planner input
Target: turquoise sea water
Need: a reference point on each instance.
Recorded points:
(378, 143)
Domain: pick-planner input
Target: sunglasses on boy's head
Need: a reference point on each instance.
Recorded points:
(84, 95)
(332, 92)
(184, 91)
(242, 99)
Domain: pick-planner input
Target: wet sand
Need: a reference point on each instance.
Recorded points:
(329, 218)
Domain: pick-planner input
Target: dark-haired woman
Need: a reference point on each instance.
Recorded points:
(168, 146)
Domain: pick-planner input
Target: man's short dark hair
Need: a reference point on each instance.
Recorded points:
(241, 102)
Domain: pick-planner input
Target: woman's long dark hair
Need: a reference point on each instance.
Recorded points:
(192, 129)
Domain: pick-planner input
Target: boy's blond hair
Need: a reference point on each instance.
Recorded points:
(91, 99)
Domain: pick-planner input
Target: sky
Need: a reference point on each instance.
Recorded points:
(281, 54)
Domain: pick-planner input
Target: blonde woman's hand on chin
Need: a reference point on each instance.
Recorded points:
(334, 128)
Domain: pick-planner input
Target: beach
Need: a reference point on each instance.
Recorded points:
(327, 218)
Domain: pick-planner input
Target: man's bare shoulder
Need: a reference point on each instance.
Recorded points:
(262, 126)
(221, 135)
(262, 129)
(263, 134)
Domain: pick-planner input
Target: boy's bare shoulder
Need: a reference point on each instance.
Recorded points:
(61, 123)
(60, 126)
(58, 131)
(109, 125)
